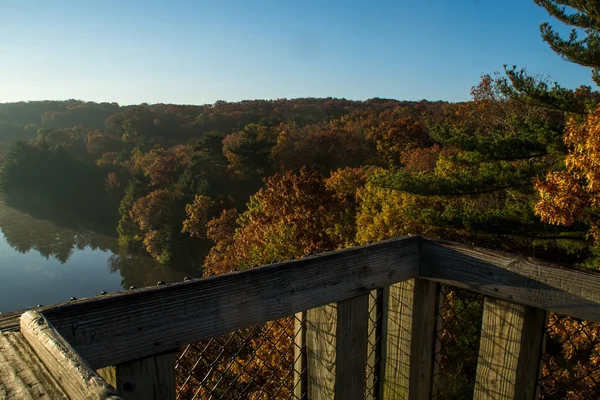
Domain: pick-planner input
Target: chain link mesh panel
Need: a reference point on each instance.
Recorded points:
(260, 362)
(373, 366)
(457, 343)
(571, 362)
(269, 361)
(263, 362)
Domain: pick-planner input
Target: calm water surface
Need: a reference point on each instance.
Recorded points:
(43, 263)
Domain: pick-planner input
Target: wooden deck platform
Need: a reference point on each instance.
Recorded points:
(54, 352)
(22, 374)
(38, 363)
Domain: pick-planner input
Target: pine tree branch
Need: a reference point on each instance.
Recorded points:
(579, 19)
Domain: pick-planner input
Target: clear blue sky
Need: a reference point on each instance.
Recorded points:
(197, 52)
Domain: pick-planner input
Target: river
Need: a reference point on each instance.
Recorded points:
(44, 263)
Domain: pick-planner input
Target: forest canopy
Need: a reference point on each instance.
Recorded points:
(231, 185)
(227, 186)
(160, 176)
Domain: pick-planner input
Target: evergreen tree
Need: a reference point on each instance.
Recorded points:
(478, 183)
(137, 187)
(582, 15)
(581, 47)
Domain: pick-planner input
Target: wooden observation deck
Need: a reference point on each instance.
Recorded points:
(129, 337)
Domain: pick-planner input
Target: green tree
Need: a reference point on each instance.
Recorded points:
(477, 184)
(582, 15)
(247, 151)
(581, 47)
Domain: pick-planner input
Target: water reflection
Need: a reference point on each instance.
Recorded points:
(139, 270)
(25, 233)
(42, 262)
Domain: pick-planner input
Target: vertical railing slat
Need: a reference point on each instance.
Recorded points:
(510, 351)
(532, 339)
(351, 348)
(424, 319)
(408, 336)
(300, 361)
(437, 346)
(397, 321)
(151, 378)
(320, 326)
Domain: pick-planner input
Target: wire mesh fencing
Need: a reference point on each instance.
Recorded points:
(260, 362)
(373, 367)
(267, 361)
(457, 343)
(273, 360)
(571, 361)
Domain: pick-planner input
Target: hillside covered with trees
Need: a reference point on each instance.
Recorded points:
(252, 182)
(155, 175)
(231, 186)
(248, 183)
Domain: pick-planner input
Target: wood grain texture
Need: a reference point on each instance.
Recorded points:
(351, 348)
(423, 338)
(504, 366)
(513, 278)
(22, 375)
(397, 338)
(10, 321)
(530, 358)
(121, 327)
(300, 359)
(151, 378)
(71, 372)
(321, 326)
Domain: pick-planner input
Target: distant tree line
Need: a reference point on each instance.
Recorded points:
(231, 186)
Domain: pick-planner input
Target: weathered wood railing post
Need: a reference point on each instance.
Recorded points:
(150, 378)
(510, 351)
(351, 348)
(336, 349)
(69, 370)
(423, 338)
(300, 359)
(409, 339)
(397, 325)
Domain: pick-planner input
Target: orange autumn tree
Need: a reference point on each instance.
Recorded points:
(197, 216)
(152, 216)
(293, 215)
(395, 138)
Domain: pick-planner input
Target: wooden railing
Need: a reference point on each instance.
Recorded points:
(131, 336)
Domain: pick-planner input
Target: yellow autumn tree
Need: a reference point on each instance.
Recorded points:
(568, 197)
(573, 195)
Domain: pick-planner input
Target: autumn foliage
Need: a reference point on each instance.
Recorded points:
(573, 195)
(221, 187)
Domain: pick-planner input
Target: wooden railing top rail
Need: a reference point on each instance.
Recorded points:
(513, 278)
(120, 327)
